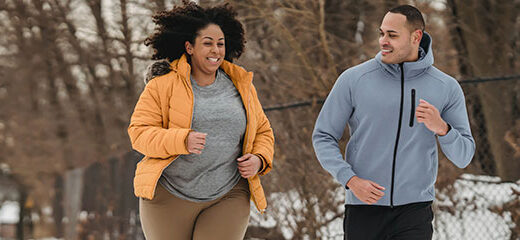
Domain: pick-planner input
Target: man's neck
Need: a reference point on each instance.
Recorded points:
(414, 56)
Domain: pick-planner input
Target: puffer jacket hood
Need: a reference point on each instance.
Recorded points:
(155, 69)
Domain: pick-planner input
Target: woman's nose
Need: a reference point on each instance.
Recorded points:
(214, 48)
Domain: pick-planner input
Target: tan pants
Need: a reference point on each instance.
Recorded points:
(167, 217)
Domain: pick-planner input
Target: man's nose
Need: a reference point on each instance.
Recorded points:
(383, 40)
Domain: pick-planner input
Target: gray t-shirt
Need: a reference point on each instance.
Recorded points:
(219, 112)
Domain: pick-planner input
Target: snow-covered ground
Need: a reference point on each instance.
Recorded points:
(465, 213)
(9, 212)
(471, 204)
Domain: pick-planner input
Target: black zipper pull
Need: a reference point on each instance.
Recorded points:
(412, 112)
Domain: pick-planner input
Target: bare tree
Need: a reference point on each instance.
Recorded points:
(73, 77)
(485, 23)
(303, 47)
(70, 74)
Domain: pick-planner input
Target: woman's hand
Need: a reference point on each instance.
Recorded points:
(195, 142)
(249, 165)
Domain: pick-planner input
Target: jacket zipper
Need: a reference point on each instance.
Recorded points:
(412, 112)
(397, 136)
(248, 109)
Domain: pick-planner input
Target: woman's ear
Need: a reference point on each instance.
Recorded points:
(189, 47)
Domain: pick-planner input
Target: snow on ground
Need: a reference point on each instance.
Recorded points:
(9, 212)
(469, 204)
(463, 214)
(285, 203)
(472, 200)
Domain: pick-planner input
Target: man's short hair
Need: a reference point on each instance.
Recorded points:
(414, 17)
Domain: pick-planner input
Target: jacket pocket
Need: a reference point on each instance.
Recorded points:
(412, 112)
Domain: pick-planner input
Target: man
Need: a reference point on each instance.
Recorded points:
(396, 106)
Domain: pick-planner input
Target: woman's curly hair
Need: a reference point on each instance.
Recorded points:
(183, 23)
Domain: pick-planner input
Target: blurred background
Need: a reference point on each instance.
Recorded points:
(71, 72)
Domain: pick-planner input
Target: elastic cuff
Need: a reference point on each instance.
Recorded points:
(344, 175)
(264, 163)
(449, 137)
(179, 142)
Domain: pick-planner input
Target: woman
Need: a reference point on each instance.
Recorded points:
(201, 128)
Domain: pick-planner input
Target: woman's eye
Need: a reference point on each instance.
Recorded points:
(220, 44)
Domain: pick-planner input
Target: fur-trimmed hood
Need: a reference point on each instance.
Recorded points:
(155, 69)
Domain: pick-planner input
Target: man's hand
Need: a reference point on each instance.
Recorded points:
(365, 190)
(195, 142)
(430, 116)
(249, 165)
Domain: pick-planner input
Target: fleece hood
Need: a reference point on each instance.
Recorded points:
(412, 69)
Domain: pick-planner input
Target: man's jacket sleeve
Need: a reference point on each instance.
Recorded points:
(458, 144)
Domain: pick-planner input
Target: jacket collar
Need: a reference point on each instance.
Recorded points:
(412, 69)
(240, 77)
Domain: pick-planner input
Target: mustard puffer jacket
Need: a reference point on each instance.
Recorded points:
(162, 120)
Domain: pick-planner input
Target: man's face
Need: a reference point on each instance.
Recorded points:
(396, 42)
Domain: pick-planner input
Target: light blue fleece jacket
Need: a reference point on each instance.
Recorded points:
(387, 145)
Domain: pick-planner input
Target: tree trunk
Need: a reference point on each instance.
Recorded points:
(479, 30)
(72, 201)
(482, 154)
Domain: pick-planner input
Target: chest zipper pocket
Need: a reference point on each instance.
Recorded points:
(412, 112)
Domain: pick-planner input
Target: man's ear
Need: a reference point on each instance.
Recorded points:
(417, 36)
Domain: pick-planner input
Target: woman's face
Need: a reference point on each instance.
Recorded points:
(209, 50)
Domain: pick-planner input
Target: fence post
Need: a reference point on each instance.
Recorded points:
(72, 201)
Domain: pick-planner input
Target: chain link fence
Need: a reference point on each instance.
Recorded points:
(472, 203)
(475, 202)
(484, 201)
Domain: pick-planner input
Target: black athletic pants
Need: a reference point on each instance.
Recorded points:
(407, 222)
